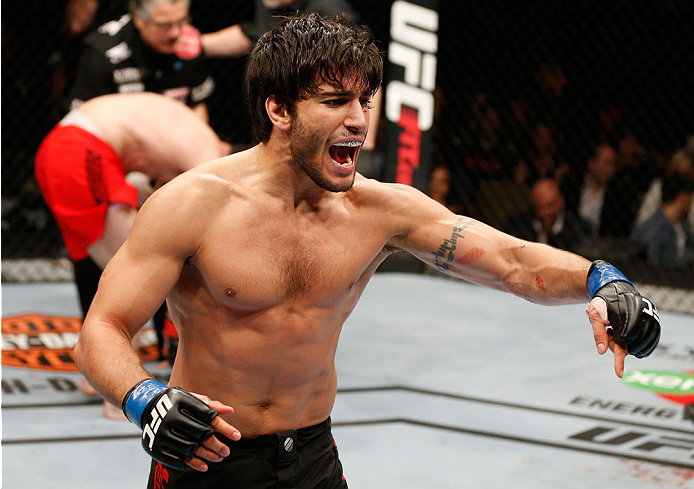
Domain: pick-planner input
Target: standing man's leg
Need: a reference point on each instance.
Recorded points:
(87, 275)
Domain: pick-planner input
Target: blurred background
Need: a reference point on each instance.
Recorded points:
(567, 122)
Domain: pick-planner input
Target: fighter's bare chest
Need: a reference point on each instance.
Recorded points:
(264, 262)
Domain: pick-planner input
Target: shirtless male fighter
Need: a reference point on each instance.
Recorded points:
(264, 254)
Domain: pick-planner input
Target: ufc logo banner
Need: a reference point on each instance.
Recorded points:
(409, 94)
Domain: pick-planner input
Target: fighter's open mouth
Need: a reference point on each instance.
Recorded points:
(343, 153)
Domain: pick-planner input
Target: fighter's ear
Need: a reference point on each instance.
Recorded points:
(278, 113)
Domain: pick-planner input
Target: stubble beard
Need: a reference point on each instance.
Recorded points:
(304, 147)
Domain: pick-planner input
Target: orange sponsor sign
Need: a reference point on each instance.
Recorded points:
(46, 342)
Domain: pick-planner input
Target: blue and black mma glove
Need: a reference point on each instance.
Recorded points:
(174, 422)
(633, 318)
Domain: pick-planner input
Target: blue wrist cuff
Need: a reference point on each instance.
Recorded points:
(601, 274)
(139, 397)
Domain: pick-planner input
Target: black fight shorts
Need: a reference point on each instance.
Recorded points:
(305, 458)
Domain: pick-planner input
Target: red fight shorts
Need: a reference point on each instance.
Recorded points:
(79, 175)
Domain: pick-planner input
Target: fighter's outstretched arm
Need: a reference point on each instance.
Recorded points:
(469, 249)
(466, 248)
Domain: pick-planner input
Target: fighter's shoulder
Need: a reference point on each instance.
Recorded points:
(203, 182)
(385, 194)
(197, 192)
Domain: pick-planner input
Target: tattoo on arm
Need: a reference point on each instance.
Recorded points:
(444, 256)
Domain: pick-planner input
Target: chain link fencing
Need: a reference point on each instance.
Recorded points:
(525, 90)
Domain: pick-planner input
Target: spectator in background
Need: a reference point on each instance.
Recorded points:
(553, 100)
(440, 187)
(551, 84)
(79, 15)
(79, 19)
(589, 198)
(667, 233)
(153, 48)
(681, 163)
(490, 161)
(549, 221)
(543, 160)
(487, 154)
(635, 169)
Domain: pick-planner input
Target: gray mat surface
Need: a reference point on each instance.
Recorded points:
(442, 384)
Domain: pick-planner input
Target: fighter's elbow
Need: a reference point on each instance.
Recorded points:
(81, 351)
(512, 284)
(514, 278)
(79, 355)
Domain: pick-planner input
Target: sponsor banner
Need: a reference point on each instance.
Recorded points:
(409, 91)
(46, 342)
(625, 409)
(674, 386)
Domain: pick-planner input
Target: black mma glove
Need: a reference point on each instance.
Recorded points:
(174, 422)
(633, 318)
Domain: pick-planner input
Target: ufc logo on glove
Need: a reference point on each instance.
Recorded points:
(161, 409)
(650, 310)
(174, 422)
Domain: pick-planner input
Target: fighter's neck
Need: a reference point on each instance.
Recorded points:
(284, 178)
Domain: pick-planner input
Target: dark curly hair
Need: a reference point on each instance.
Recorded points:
(296, 57)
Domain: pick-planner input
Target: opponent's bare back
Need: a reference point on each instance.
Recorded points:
(154, 134)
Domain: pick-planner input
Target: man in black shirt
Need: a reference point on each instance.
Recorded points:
(549, 221)
(142, 51)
